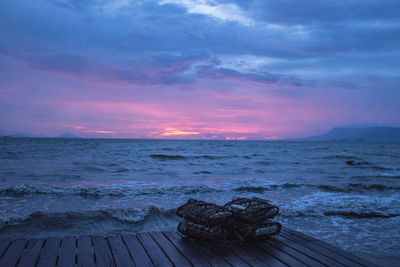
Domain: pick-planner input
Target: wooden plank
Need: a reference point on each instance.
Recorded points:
(48, 254)
(248, 257)
(85, 252)
(295, 257)
(324, 245)
(230, 257)
(170, 250)
(66, 253)
(102, 252)
(120, 252)
(204, 251)
(207, 252)
(265, 257)
(4, 244)
(13, 253)
(186, 249)
(308, 252)
(31, 254)
(137, 251)
(333, 256)
(156, 255)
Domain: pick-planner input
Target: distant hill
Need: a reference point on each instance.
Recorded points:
(372, 134)
(68, 135)
(19, 134)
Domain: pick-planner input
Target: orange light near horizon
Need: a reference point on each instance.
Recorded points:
(104, 132)
(173, 131)
(84, 129)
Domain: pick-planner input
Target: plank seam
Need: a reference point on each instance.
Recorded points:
(305, 254)
(287, 253)
(162, 250)
(203, 253)
(145, 250)
(240, 248)
(327, 247)
(177, 248)
(94, 252)
(313, 249)
(112, 253)
(255, 255)
(126, 246)
(40, 251)
(5, 251)
(58, 251)
(194, 249)
(20, 255)
(232, 251)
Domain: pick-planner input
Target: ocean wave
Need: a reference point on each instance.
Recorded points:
(349, 214)
(350, 187)
(68, 218)
(167, 157)
(94, 169)
(394, 175)
(352, 206)
(252, 189)
(261, 189)
(340, 157)
(202, 172)
(361, 215)
(122, 170)
(263, 163)
(181, 157)
(114, 190)
(367, 164)
(357, 163)
(382, 168)
(130, 189)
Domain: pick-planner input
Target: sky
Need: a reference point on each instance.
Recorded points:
(197, 69)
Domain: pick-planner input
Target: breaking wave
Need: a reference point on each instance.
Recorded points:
(69, 218)
(360, 215)
(118, 190)
(311, 213)
(261, 189)
(349, 188)
(132, 189)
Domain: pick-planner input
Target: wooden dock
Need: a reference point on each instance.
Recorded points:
(289, 248)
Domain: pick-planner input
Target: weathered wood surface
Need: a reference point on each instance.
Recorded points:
(289, 248)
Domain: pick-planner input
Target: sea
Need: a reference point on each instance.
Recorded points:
(344, 193)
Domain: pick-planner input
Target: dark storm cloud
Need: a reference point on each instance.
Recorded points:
(321, 32)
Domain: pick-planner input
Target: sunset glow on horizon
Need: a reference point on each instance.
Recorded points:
(197, 69)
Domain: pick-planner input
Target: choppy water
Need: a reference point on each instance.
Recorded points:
(346, 193)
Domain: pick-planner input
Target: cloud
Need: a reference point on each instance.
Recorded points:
(223, 12)
(205, 66)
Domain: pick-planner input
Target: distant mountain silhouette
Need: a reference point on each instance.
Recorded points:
(372, 134)
(18, 134)
(68, 135)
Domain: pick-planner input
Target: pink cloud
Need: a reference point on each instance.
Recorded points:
(205, 109)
